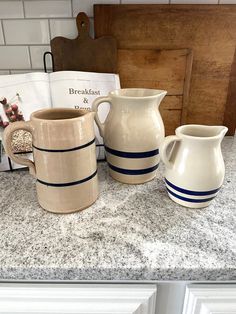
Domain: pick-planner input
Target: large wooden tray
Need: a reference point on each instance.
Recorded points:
(209, 30)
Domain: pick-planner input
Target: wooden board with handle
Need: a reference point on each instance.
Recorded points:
(84, 53)
(159, 69)
(209, 30)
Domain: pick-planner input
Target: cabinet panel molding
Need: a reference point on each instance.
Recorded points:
(210, 299)
(77, 298)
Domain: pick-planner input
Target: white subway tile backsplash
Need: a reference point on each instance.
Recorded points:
(227, 1)
(67, 28)
(194, 1)
(37, 53)
(11, 9)
(63, 27)
(87, 5)
(145, 1)
(14, 57)
(26, 32)
(50, 8)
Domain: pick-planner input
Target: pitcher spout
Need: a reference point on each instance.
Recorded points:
(218, 131)
(222, 130)
(202, 132)
(160, 95)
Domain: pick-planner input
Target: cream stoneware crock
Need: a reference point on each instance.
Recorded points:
(195, 167)
(132, 132)
(64, 157)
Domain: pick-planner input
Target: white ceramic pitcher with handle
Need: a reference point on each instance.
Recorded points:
(132, 132)
(195, 166)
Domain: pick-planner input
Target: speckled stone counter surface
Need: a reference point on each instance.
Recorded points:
(130, 233)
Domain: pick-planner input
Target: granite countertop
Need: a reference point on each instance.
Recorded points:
(130, 233)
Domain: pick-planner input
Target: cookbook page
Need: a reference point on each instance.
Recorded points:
(20, 95)
(78, 90)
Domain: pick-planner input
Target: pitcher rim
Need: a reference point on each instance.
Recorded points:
(220, 135)
(34, 114)
(158, 92)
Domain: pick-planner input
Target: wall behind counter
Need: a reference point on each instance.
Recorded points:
(27, 26)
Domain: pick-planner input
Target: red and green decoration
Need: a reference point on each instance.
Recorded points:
(12, 112)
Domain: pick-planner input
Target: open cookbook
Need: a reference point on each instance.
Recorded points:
(21, 94)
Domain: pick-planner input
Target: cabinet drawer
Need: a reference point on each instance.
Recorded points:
(77, 298)
(210, 299)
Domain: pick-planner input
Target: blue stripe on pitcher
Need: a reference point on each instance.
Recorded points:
(189, 192)
(191, 200)
(119, 153)
(68, 183)
(133, 171)
(64, 150)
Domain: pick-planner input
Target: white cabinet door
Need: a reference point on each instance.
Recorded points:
(210, 299)
(77, 298)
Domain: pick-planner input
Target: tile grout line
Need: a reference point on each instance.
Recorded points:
(23, 4)
(25, 45)
(37, 18)
(49, 30)
(30, 59)
(24, 70)
(92, 30)
(3, 34)
(72, 9)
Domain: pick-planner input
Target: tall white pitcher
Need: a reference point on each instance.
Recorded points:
(195, 168)
(132, 132)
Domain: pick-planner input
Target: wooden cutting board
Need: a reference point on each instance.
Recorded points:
(160, 69)
(209, 30)
(84, 53)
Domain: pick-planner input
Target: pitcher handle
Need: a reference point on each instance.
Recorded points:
(95, 105)
(163, 149)
(8, 132)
